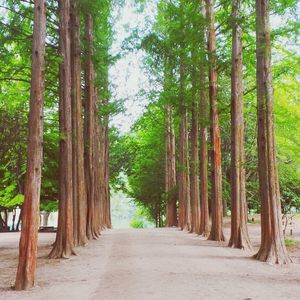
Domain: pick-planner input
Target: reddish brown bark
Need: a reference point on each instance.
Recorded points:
(204, 224)
(272, 247)
(99, 187)
(195, 193)
(28, 242)
(79, 192)
(93, 232)
(103, 104)
(183, 173)
(64, 246)
(170, 169)
(216, 232)
(184, 212)
(101, 172)
(239, 233)
(107, 217)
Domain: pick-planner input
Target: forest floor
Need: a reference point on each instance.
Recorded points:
(153, 264)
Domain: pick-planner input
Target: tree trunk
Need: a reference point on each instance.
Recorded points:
(204, 225)
(99, 186)
(29, 236)
(183, 183)
(106, 161)
(104, 150)
(63, 246)
(195, 193)
(170, 169)
(239, 233)
(90, 130)
(272, 247)
(216, 233)
(79, 192)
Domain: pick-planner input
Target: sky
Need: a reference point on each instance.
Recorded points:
(127, 75)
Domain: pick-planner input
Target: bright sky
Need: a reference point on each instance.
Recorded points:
(127, 75)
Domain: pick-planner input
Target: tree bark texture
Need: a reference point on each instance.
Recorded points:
(184, 178)
(170, 169)
(216, 232)
(204, 220)
(272, 247)
(194, 164)
(64, 246)
(79, 191)
(90, 131)
(99, 171)
(104, 154)
(25, 278)
(239, 233)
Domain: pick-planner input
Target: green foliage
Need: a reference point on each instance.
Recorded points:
(144, 148)
(49, 206)
(136, 223)
(141, 218)
(176, 35)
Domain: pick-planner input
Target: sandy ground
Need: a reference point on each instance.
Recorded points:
(151, 264)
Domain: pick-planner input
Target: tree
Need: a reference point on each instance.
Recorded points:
(79, 190)
(170, 169)
(272, 247)
(195, 192)
(216, 232)
(184, 214)
(239, 233)
(64, 245)
(28, 242)
(91, 137)
(204, 219)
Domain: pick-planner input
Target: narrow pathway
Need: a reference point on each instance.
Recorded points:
(160, 264)
(169, 264)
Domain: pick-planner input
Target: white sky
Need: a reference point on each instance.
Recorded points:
(127, 76)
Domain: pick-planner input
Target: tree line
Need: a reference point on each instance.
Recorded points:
(204, 145)
(63, 64)
(211, 121)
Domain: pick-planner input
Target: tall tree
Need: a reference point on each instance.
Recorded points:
(170, 168)
(79, 191)
(195, 192)
(30, 221)
(204, 220)
(64, 246)
(91, 135)
(239, 232)
(272, 247)
(183, 174)
(216, 232)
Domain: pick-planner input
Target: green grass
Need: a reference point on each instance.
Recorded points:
(291, 243)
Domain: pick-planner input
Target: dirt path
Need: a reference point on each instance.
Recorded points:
(151, 264)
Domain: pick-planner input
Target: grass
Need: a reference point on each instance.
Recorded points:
(291, 243)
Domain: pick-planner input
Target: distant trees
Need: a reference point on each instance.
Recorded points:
(196, 53)
(205, 42)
